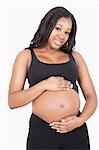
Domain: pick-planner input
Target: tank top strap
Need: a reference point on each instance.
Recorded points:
(72, 57)
(32, 53)
(33, 56)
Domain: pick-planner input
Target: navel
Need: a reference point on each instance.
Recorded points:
(62, 105)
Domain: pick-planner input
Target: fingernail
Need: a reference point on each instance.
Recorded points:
(63, 120)
(57, 130)
(71, 85)
(52, 127)
(50, 124)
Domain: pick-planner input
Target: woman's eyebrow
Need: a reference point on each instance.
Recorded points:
(59, 24)
(69, 29)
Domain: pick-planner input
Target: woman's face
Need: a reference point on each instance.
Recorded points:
(60, 33)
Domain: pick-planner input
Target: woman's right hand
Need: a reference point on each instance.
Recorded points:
(54, 83)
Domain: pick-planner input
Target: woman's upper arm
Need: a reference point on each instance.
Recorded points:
(84, 78)
(19, 71)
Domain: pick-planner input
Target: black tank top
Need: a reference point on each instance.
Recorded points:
(39, 71)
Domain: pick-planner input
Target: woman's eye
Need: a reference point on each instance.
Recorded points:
(58, 29)
(67, 33)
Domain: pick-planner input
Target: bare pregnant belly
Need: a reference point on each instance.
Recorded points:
(55, 105)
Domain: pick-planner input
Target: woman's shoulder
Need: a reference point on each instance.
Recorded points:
(76, 54)
(24, 54)
(78, 57)
(24, 57)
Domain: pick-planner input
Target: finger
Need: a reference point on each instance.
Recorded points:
(58, 127)
(68, 124)
(60, 78)
(64, 131)
(68, 129)
(68, 82)
(67, 119)
(54, 123)
(61, 131)
(55, 128)
(63, 83)
(66, 87)
(71, 86)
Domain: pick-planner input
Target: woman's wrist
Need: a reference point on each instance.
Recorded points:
(82, 120)
(42, 85)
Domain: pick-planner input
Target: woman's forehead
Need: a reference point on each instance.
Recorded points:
(65, 22)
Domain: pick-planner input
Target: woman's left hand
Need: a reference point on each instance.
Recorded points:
(67, 124)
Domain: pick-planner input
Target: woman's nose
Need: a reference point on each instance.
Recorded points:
(62, 35)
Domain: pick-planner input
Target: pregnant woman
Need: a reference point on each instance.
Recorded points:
(53, 69)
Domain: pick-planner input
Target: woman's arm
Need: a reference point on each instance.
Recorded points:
(17, 97)
(87, 88)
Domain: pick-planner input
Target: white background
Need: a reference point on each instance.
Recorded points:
(18, 23)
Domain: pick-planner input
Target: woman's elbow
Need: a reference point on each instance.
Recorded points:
(10, 102)
(95, 101)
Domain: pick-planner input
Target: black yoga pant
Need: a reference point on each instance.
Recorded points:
(42, 137)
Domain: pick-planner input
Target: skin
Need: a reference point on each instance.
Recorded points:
(72, 122)
(18, 97)
(59, 35)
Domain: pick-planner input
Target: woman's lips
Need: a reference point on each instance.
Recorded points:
(57, 42)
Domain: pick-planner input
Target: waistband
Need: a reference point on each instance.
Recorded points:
(35, 119)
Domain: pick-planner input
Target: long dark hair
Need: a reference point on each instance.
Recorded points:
(46, 26)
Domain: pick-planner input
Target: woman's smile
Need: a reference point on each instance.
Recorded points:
(58, 42)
